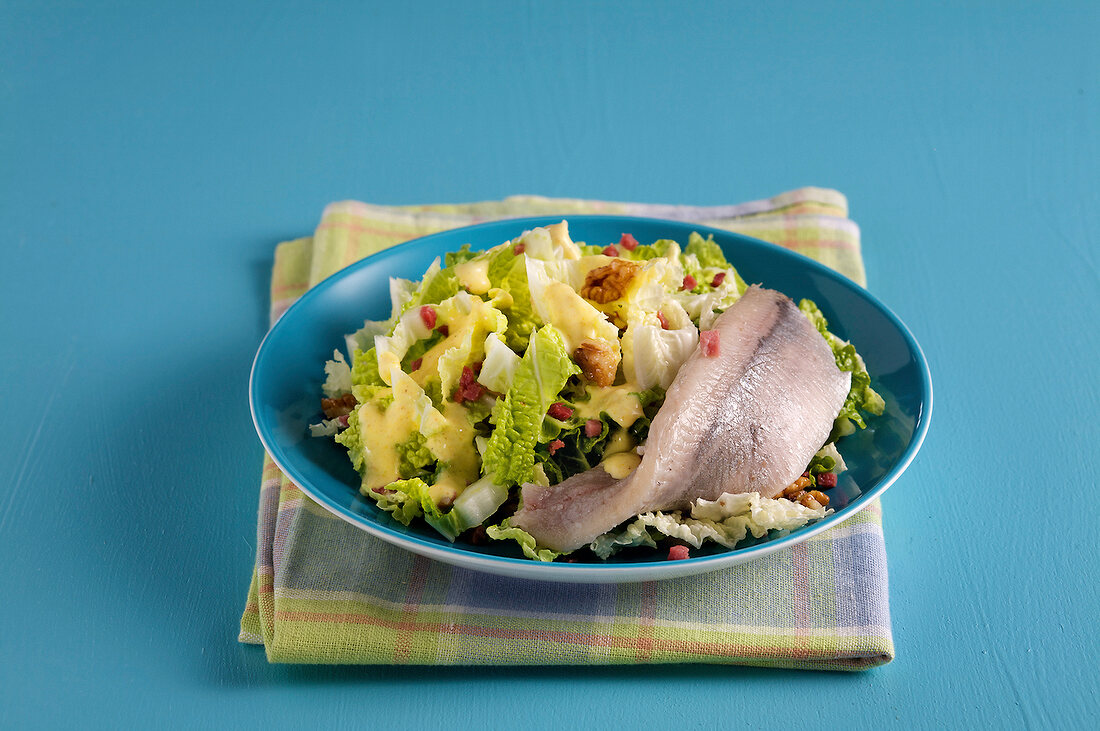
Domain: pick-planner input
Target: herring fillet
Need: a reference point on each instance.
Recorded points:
(748, 419)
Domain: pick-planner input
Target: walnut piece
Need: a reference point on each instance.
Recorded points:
(598, 362)
(609, 282)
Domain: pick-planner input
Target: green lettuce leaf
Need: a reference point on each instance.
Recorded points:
(706, 251)
(861, 397)
(418, 349)
(542, 373)
(364, 369)
(409, 499)
(436, 288)
(415, 456)
(645, 252)
(703, 259)
(652, 399)
(351, 438)
(501, 263)
(458, 257)
(821, 463)
(507, 532)
(580, 453)
(522, 319)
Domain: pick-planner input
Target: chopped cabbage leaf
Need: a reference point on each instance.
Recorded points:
(578, 453)
(408, 499)
(351, 438)
(518, 417)
(337, 376)
(437, 285)
(325, 428)
(364, 368)
(461, 256)
(471, 321)
(828, 459)
(414, 456)
(861, 397)
(558, 304)
(499, 366)
(507, 532)
(478, 502)
(652, 355)
(726, 521)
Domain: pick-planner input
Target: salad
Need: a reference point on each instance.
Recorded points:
(537, 360)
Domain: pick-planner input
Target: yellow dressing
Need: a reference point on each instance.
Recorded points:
(453, 445)
(382, 432)
(619, 441)
(576, 318)
(475, 324)
(620, 403)
(474, 275)
(429, 362)
(620, 465)
(559, 235)
(451, 442)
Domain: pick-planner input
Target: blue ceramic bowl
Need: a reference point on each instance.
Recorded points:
(285, 390)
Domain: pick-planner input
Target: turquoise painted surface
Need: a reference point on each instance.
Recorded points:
(151, 156)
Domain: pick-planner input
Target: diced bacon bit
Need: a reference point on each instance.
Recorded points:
(826, 479)
(428, 316)
(443, 330)
(335, 407)
(628, 242)
(476, 367)
(610, 251)
(689, 282)
(678, 553)
(468, 387)
(593, 428)
(708, 342)
(555, 445)
(559, 411)
(663, 319)
(383, 491)
(343, 421)
(718, 278)
(415, 365)
(519, 248)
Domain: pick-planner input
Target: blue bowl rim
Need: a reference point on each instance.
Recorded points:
(595, 572)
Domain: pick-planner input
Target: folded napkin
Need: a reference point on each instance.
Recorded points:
(324, 591)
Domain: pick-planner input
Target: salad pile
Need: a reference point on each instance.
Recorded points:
(538, 359)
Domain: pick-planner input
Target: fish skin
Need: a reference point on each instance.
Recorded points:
(748, 419)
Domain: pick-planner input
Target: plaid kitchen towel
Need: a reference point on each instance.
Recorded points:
(324, 591)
